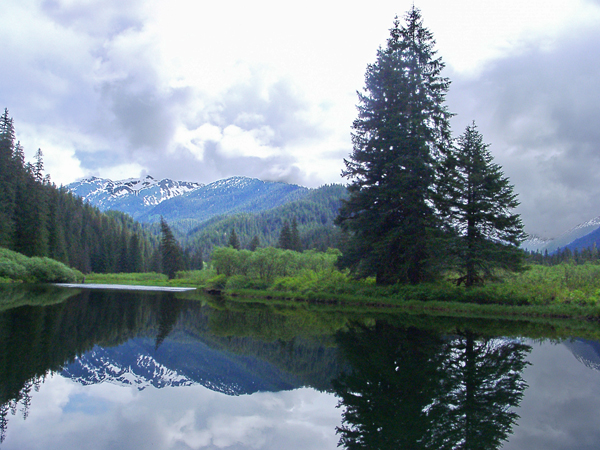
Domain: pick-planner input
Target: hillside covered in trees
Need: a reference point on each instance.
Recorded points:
(313, 215)
(39, 219)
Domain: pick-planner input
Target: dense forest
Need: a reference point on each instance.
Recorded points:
(313, 215)
(37, 218)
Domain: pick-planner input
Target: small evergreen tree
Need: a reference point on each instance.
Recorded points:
(254, 243)
(285, 237)
(234, 241)
(296, 243)
(488, 232)
(170, 251)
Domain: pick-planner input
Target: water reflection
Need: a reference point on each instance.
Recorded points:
(410, 388)
(224, 375)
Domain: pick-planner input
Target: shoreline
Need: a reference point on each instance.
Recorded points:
(126, 287)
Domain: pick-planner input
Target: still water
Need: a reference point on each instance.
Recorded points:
(125, 370)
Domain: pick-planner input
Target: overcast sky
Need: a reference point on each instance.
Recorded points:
(200, 91)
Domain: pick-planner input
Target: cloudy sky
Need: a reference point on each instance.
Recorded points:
(200, 91)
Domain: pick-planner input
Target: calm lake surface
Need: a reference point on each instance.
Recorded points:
(126, 370)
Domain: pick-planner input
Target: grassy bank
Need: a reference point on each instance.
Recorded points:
(559, 291)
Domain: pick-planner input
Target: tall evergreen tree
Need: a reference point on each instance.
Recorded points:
(234, 241)
(295, 236)
(482, 203)
(38, 166)
(401, 132)
(170, 251)
(285, 237)
(7, 179)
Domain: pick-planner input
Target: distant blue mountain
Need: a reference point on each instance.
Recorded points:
(587, 241)
(226, 197)
(576, 237)
(147, 199)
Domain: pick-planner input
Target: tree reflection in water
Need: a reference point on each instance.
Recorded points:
(415, 389)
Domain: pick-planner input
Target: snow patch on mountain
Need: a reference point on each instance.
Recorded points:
(97, 366)
(104, 193)
(535, 243)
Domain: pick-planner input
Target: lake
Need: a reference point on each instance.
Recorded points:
(101, 369)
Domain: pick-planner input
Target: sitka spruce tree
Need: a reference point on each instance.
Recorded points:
(401, 133)
(171, 253)
(481, 206)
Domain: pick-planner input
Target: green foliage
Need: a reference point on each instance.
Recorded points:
(268, 263)
(172, 255)
(478, 206)
(401, 131)
(46, 270)
(39, 219)
(17, 267)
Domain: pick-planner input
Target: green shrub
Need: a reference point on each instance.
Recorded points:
(217, 282)
(11, 269)
(46, 270)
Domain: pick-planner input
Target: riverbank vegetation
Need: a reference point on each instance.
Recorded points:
(277, 275)
(15, 267)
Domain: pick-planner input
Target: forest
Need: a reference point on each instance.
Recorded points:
(39, 219)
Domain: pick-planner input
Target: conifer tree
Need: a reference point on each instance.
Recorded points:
(254, 244)
(482, 202)
(296, 243)
(38, 166)
(401, 132)
(234, 241)
(285, 237)
(170, 251)
(7, 179)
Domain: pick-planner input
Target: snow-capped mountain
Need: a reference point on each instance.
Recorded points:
(137, 363)
(147, 199)
(98, 366)
(535, 243)
(586, 352)
(133, 195)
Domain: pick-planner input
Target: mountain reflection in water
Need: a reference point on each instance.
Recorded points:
(128, 370)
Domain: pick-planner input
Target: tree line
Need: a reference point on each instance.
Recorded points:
(313, 215)
(565, 255)
(37, 218)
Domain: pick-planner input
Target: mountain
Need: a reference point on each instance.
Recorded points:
(133, 196)
(314, 213)
(147, 199)
(203, 215)
(139, 364)
(566, 239)
(585, 351)
(225, 197)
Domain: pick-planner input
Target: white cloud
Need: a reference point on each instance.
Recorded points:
(66, 415)
(148, 85)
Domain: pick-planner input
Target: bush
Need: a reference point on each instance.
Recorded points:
(46, 270)
(11, 269)
(217, 282)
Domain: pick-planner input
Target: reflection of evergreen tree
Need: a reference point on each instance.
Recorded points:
(393, 380)
(484, 383)
(414, 389)
(168, 313)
